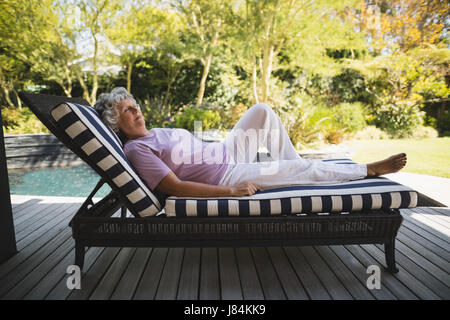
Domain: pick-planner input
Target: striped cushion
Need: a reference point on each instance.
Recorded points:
(358, 195)
(102, 147)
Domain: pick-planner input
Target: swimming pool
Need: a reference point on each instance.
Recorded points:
(76, 181)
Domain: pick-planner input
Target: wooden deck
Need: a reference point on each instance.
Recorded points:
(46, 249)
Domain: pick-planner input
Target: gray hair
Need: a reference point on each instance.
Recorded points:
(106, 106)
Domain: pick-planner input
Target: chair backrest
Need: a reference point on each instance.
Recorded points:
(104, 150)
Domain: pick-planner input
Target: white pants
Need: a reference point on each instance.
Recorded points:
(261, 125)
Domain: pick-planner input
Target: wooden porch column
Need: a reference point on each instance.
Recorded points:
(7, 234)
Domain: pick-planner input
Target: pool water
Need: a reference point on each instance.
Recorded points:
(76, 181)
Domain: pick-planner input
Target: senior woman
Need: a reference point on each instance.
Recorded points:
(175, 162)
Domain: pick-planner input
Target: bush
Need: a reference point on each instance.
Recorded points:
(399, 120)
(423, 132)
(22, 120)
(349, 116)
(371, 133)
(308, 124)
(444, 124)
(231, 115)
(209, 118)
(156, 114)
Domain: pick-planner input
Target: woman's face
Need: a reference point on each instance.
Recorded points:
(131, 121)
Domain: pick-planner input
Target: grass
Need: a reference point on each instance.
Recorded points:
(426, 156)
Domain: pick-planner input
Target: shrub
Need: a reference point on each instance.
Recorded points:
(209, 118)
(423, 132)
(444, 124)
(156, 114)
(22, 120)
(349, 116)
(399, 120)
(231, 115)
(371, 133)
(307, 125)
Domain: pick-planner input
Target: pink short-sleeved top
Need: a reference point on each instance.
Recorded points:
(177, 150)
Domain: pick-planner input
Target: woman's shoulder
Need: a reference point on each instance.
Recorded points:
(133, 144)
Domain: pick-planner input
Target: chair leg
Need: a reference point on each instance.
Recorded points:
(79, 255)
(123, 212)
(389, 252)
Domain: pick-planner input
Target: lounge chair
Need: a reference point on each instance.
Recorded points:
(357, 212)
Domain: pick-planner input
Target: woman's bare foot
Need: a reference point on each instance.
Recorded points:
(388, 165)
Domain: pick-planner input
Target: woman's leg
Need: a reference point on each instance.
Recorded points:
(268, 175)
(259, 125)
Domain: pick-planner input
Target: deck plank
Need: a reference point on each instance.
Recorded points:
(93, 276)
(27, 250)
(421, 273)
(346, 277)
(22, 270)
(128, 283)
(429, 225)
(168, 286)
(441, 210)
(251, 287)
(149, 281)
(35, 276)
(39, 221)
(429, 242)
(388, 280)
(417, 252)
(360, 272)
(59, 222)
(209, 275)
(288, 278)
(21, 209)
(437, 215)
(314, 288)
(230, 283)
(267, 275)
(326, 275)
(38, 209)
(422, 233)
(105, 288)
(60, 290)
(419, 289)
(52, 278)
(190, 275)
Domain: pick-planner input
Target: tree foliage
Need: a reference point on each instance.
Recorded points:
(390, 56)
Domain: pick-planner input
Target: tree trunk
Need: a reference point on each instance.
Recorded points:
(19, 102)
(130, 69)
(266, 71)
(167, 94)
(67, 92)
(254, 80)
(94, 76)
(68, 89)
(7, 98)
(201, 90)
(85, 88)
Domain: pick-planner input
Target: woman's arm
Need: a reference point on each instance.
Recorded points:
(173, 186)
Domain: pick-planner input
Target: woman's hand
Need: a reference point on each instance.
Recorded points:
(244, 189)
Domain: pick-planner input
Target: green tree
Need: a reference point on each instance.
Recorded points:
(95, 17)
(206, 25)
(302, 30)
(20, 47)
(138, 28)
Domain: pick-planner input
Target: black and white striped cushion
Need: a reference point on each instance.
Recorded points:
(102, 146)
(358, 195)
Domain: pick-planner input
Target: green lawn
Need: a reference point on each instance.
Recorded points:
(426, 156)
